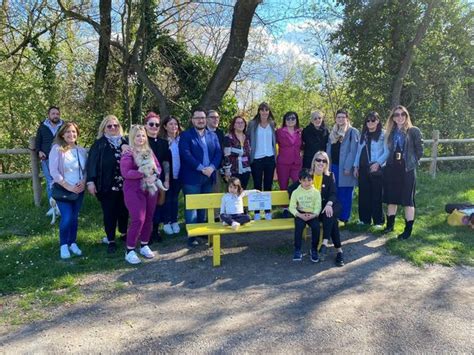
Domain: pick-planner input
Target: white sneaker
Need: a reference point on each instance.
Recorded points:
(75, 249)
(268, 216)
(105, 240)
(50, 212)
(132, 258)
(64, 252)
(378, 227)
(147, 252)
(235, 225)
(256, 217)
(175, 227)
(224, 224)
(167, 229)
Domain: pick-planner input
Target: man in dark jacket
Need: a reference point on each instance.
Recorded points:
(200, 155)
(44, 140)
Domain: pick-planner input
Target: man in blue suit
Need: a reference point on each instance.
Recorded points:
(200, 155)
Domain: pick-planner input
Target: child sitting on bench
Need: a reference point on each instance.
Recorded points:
(232, 204)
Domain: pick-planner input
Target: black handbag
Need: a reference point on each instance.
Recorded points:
(59, 193)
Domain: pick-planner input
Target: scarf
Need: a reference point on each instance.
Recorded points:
(338, 133)
(114, 140)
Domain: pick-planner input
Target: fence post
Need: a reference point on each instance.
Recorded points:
(35, 173)
(434, 153)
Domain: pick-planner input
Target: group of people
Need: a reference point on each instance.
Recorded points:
(312, 160)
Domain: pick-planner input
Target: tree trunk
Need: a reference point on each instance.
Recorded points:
(232, 59)
(105, 8)
(408, 58)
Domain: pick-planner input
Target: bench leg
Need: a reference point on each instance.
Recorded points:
(216, 250)
(209, 240)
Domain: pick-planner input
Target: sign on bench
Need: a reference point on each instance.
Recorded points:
(260, 201)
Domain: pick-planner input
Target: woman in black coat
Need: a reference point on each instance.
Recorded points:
(104, 179)
(325, 182)
(315, 138)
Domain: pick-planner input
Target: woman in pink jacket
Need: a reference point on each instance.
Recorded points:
(140, 200)
(289, 161)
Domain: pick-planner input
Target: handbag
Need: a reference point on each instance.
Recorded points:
(160, 201)
(59, 193)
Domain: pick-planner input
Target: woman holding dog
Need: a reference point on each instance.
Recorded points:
(372, 152)
(104, 179)
(159, 146)
(140, 200)
(67, 165)
(405, 147)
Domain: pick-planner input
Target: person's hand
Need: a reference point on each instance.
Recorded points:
(91, 188)
(208, 171)
(42, 156)
(150, 179)
(356, 172)
(126, 148)
(80, 187)
(347, 172)
(328, 210)
(374, 167)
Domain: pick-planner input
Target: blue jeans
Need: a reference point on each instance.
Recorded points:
(69, 216)
(170, 207)
(196, 216)
(47, 177)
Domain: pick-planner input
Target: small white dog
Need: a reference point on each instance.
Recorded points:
(146, 165)
(53, 211)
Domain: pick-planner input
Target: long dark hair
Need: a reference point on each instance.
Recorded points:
(232, 124)
(365, 130)
(288, 114)
(270, 113)
(163, 133)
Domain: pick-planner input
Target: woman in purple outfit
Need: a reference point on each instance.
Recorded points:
(140, 201)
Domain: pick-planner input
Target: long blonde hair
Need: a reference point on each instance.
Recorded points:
(132, 135)
(104, 122)
(324, 155)
(390, 125)
(59, 140)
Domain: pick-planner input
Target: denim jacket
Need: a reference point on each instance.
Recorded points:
(378, 151)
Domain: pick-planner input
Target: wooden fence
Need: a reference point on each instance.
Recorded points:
(36, 181)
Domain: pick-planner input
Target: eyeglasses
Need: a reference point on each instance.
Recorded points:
(213, 117)
(198, 118)
(371, 120)
(290, 118)
(110, 126)
(153, 124)
(321, 160)
(400, 114)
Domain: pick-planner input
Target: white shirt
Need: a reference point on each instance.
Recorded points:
(233, 204)
(264, 145)
(72, 172)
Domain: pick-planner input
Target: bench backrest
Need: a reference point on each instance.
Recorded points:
(211, 201)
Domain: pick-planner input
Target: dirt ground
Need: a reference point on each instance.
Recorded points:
(262, 301)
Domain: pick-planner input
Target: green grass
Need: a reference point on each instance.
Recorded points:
(34, 278)
(434, 241)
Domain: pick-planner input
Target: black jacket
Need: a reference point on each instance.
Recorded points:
(44, 139)
(101, 164)
(160, 148)
(314, 140)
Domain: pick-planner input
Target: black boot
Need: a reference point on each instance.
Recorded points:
(407, 231)
(390, 224)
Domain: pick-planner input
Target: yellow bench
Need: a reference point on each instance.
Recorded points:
(214, 230)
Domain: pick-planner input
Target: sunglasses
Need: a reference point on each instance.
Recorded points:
(153, 124)
(321, 160)
(110, 126)
(291, 118)
(398, 114)
(371, 120)
(316, 118)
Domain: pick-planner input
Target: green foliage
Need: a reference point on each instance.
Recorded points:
(374, 36)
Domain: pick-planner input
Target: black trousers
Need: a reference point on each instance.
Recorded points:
(244, 179)
(331, 228)
(370, 197)
(241, 218)
(299, 228)
(115, 213)
(263, 170)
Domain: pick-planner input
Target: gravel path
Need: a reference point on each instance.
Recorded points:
(262, 301)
